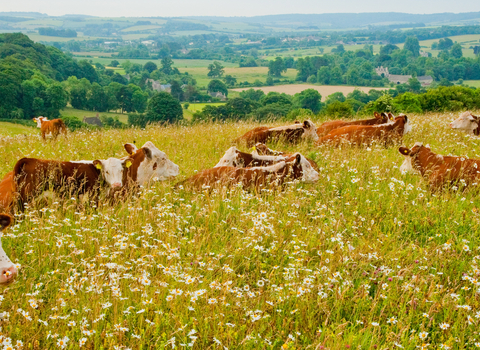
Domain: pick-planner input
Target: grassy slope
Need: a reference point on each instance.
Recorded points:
(10, 129)
(365, 257)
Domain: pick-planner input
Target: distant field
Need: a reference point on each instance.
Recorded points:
(37, 37)
(11, 129)
(94, 54)
(197, 107)
(137, 28)
(180, 63)
(81, 113)
(314, 51)
(474, 83)
(324, 90)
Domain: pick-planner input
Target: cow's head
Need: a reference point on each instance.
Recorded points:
(302, 168)
(310, 130)
(383, 118)
(230, 158)
(411, 163)
(467, 122)
(113, 170)
(8, 271)
(402, 118)
(152, 163)
(39, 121)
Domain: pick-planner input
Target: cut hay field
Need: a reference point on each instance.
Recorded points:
(365, 258)
(324, 90)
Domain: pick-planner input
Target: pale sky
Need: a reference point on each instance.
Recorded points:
(146, 8)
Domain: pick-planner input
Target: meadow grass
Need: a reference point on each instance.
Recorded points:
(366, 258)
(10, 129)
(80, 113)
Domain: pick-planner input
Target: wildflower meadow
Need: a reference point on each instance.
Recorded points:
(366, 258)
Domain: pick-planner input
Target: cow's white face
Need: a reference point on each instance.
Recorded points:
(112, 170)
(229, 158)
(155, 165)
(466, 122)
(39, 121)
(310, 130)
(407, 127)
(406, 167)
(310, 175)
(8, 271)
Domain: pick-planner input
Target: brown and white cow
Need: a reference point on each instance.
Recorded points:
(290, 133)
(295, 167)
(32, 176)
(261, 149)
(7, 191)
(468, 123)
(53, 127)
(149, 163)
(366, 135)
(379, 118)
(8, 271)
(440, 170)
(238, 159)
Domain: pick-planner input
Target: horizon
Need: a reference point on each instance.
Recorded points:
(247, 8)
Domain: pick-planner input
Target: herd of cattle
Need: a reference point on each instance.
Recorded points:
(261, 169)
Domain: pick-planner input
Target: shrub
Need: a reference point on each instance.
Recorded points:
(339, 109)
(163, 107)
(137, 119)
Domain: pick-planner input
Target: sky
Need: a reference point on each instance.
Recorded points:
(231, 8)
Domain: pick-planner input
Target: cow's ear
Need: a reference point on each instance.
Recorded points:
(306, 124)
(98, 164)
(148, 152)
(5, 221)
(130, 148)
(427, 146)
(298, 159)
(391, 116)
(128, 163)
(404, 151)
(377, 115)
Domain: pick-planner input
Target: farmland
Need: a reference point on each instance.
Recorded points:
(367, 257)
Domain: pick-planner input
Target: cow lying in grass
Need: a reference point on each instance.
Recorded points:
(386, 134)
(7, 191)
(290, 133)
(8, 271)
(438, 170)
(261, 149)
(379, 118)
(54, 127)
(468, 123)
(295, 167)
(33, 176)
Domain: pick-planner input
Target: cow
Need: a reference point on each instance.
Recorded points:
(54, 127)
(32, 176)
(261, 149)
(236, 158)
(366, 134)
(7, 191)
(293, 168)
(438, 170)
(148, 163)
(290, 133)
(379, 118)
(468, 123)
(8, 271)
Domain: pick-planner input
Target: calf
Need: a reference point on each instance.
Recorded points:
(379, 118)
(294, 167)
(440, 170)
(260, 149)
(55, 127)
(291, 133)
(33, 176)
(148, 163)
(7, 193)
(366, 135)
(468, 123)
(238, 159)
(8, 271)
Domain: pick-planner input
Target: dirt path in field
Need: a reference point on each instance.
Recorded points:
(324, 90)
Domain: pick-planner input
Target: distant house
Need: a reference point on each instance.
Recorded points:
(93, 121)
(157, 86)
(218, 94)
(148, 42)
(425, 80)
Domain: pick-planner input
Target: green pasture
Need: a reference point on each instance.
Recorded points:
(474, 83)
(11, 129)
(367, 257)
(78, 113)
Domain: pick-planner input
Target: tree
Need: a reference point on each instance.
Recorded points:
(150, 67)
(230, 80)
(445, 44)
(251, 94)
(56, 99)
(139, 100)
(476, 50)
(276, 67)
(114, 63)
(176, 90)
(308, 99)
(217, 86)
(167, 64)
(323, 75)
(414, 85)
(412, 45)
(456, 50)
(215, 69)
(163, 107)
(98, 99)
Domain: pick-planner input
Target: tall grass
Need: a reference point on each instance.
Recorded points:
(366, 258)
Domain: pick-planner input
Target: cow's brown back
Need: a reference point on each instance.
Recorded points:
(7, 191)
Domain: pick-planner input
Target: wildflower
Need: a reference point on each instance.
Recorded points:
(82, 341)
(62, 342)
(423, 335)
(444, 326)
(392, 320)
(375, 324)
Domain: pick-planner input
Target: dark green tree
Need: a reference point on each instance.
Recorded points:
(456, 50)
(215, 69)
(230, 80)
(276, 67)
(217, 86)
(114, 63)
(412, 45)
(308, 99)
(164, 108)
(176, 90)
(150, 66)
